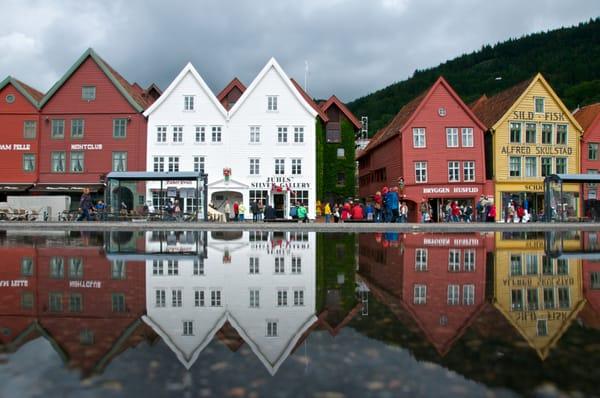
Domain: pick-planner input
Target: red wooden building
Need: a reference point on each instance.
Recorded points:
(19, 135)
(91, 124)
(589, 119)
(436, 144)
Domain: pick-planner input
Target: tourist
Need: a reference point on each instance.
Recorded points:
(85, 204)
(521, 213)
(357, 212)
(468, 213)
(236, 210)
(254, 210)
(301, 213)
(177, 210)
(491, 214)
(294, 211)
(387, 215)
(378, 206)
(336, 213)
(403, 212)
(510, 212)
(393, 203)
(425, 211)
(100, 209)
(241, 211)
(227, 211)
(448, 211)
(455, 211)
(370, 211)
(346, 212)
(261, 210)
(327, 213)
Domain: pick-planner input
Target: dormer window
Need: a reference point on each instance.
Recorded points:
(188, 103)
(88, 93)
(539, 104)
(271, 103)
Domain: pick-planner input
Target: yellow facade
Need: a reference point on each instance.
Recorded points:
(538, 295)
(528, 145)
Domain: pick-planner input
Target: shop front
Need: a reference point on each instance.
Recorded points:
(439, 196)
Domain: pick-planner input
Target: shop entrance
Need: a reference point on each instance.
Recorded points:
(439, 212)
(532, 201)
(279, 205)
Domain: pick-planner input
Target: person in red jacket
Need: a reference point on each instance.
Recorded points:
(357, 212)
(346, 211)
(378, 206)
(236, 210)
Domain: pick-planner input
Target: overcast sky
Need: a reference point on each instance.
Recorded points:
(353, 47)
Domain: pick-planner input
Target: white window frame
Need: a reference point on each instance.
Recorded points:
(161, 134)
(255, 134)
(452, 137)
(282, 297)
(297, 166)
(469, 171)
(177, 134)
(454, 257)
(421, 166)
(528, 173)
(272, 105)
(467, 137)
(216, 134)
(419, 139)
(254, 164)
(282, 134)
(172, 164)
(189, 103)
(299, 134)
(158, 164)
(421, 256)
(453, 171)
(254, 298)
(279, 166)
(453, 294)
(200, 137)
(468, 296)
(419, 294)
(199, 164)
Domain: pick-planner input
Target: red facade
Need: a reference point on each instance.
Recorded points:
(589, 119)
(395, 152)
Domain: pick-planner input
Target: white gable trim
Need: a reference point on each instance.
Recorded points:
(272, 64)
(189, 68)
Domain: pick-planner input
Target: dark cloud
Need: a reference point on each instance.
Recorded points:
(353, 47)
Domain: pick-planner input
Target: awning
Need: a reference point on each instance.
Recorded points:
(8, 187)
(67, 187)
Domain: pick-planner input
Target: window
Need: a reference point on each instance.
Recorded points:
(158, 267)
(298, 135)
(77, 162)
(467, 137)
(454, 260)
(296, 166)
(215, 298)
(29, 129)
(86, 337)
(542, 327)
(254, 298)
(592, 151)
(198, 266)
(200, 134)
(532, 300)
(279, 166)
(28, 162)
(279, 265)
(177, 134)
(188, 326)
(55, 302)
(451, 137)
(199, 299)
(595, 280)
(118, 302)
(341, 179)
(172, 267)
(57, 268)
(516, 300)
(58, 162)
(159, 164)
(516, 266)
(77, 128)
(531, 264)
(161, 134)
(188, 102)
(420, 294)
(88, 93)
(562, 266)
(563, 297)
(282, 137)
(271, 103)
(530, 166)
(199, 164)
(254, 265)
(539, 104)
(515, 133)
(296, 265)
(118, 270)
(271, 329)
(547, 265)
(453, 171)
(341, 153)
(302, 197)
(120, 128)
(546, 133)
(173, 163)
(453, 294)
(561, 165)
(421, 260)
(58, 128)
(469, 260)
(27, 301)
(75, 268)
(119, 161)
(298, 297)
(419, 138)
(216, 133)
(333, 132)
(548, 298)
(282, 298)
(546, 166)
(254, 166)
(515, 166)
(561, 134)
(254, 134)
(530, 133)
(75, 302)
(176, 299)
(469, 171)
(421, 171)
(26, 266)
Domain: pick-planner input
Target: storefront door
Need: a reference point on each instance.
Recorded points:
(279, 205)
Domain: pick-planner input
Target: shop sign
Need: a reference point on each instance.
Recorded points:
(451, 190)
(15, 147)
(535, 150)
(534, 187)
(86, 284)
(444, 242)
(179, 182)
(14, 283)
(86, 147)
(547, 116)
(282, 182)
(546, 281)
(528, 316)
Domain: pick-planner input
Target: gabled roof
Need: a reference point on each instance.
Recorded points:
(490, 110)
(310, 101)
(235, 83)
(272, 64)
(189, 68)
(128, 91)
(349, 115)
(32, 95)
(588, 116)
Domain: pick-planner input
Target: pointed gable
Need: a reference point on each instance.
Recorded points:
(588, 116)
(32, 95)
(491, 110)
(231, 93)
(334, 101)
(312, 103)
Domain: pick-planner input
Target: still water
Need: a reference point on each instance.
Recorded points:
(299, 314)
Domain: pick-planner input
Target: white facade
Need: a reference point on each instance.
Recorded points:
(267, 140)
(189, 300)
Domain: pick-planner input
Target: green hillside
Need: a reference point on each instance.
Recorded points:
(569, 58)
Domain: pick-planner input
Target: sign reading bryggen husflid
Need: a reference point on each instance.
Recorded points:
(531, 134)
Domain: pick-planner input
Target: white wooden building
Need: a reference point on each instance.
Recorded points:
(263, 148)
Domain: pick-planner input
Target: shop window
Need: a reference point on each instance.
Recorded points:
(515, 166)
(592, 151)
(530, 133)
(515, 133)
(546, 133)
(561, 134)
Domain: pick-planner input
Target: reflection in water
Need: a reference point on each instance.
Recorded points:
(464, 296)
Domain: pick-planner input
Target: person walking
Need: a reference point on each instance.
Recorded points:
(227, 210)
(294, 211)
(403, 212)
(236, 210)
(425, 211)
(261, 210)
(301, 213)
(85, 204)
(378, 206)
(357, 212)
(241, 212)
(254, 210)
(327, 213)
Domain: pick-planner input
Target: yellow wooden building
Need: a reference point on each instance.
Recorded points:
(531, 134)
(540, 296)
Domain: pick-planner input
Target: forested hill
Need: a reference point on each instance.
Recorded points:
(569, 58)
